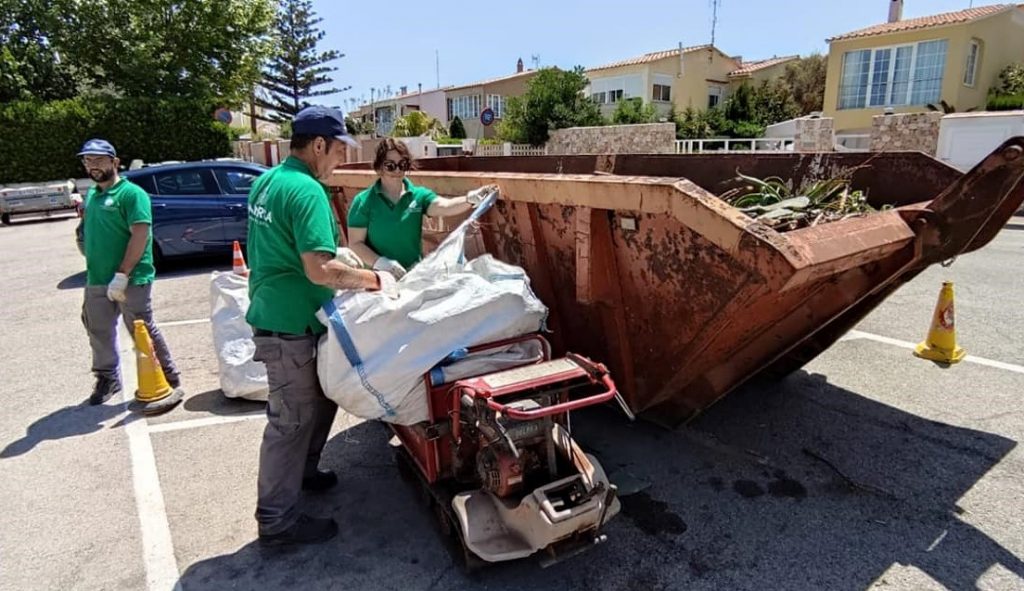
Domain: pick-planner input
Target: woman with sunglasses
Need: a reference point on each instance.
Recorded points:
(385, 222)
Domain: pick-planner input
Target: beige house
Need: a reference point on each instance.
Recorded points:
(755, 72)
(385, 112)
(904, 65)
(701, 77)
(695, 76)
(469, 100)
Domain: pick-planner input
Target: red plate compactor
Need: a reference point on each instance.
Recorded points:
(498, 464)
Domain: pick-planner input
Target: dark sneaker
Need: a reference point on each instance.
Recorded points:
(306, 530)
(174, 381)
(105, 388)
(321, 481)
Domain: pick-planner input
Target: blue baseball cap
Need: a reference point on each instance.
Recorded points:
(98, 147)
(323, 121)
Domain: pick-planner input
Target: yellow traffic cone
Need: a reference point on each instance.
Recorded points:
(154, 395)
(940, 346)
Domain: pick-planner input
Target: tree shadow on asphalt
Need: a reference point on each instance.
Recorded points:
(215, 402)
(796, 484)
(70, 421)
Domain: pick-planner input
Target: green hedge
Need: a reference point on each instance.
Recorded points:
(39, 140)
(1005, 102)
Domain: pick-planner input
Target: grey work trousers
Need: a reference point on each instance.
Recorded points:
(99, 315)
(299, 419)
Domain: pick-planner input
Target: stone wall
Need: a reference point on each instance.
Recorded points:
(906, 131)
(814, 135)
(649, 138)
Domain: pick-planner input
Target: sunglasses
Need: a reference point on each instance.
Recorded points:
(392, 166)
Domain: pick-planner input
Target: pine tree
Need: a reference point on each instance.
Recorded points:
(456, 129)
(297, 71)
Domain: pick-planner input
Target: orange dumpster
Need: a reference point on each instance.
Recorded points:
(685, 297)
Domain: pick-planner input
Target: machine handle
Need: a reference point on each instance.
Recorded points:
(529, 415)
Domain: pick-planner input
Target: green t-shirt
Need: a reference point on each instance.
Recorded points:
(109, 216)
(393, 230)
(289, 214)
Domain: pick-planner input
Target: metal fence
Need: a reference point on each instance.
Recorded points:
(765, 144)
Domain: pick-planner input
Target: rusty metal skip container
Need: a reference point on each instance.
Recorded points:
(685, 297)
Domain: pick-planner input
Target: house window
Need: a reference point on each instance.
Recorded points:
(714, 96)
(662, 93)
(613, 89)
(973, 56)
(890, 76)
(385, 120)
(464, 107)
(496, 103)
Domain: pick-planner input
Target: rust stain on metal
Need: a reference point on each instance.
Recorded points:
(687, 297)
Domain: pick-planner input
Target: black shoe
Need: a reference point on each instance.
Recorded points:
(105, 388)
(321, 481)
(174, 381)
(306, 530)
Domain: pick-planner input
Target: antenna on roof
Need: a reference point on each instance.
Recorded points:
(535, 58)
(714, 24)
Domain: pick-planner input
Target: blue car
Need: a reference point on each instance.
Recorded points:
(199, 208)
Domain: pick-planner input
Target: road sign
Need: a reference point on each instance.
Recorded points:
(487, 116)
(223, 115)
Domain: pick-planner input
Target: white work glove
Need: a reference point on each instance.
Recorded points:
(475, 196)
(349, 257)
(389, 266)
(388, 284)
(116, 288)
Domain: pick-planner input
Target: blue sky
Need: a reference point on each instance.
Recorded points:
(393, 43)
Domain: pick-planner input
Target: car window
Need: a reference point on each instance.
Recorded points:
(145, 181)
(235, 181)
(185, 182)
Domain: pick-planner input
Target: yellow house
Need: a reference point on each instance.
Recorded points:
(904, 65)
(686, 77)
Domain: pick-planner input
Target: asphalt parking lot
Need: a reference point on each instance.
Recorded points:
(868, 469)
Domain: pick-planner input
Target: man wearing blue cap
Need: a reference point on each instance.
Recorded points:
(119, 267)
(292, 243)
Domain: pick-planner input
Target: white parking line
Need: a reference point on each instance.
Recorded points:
(858, 334)
(157, 548)
(204, 422)
(184, 322)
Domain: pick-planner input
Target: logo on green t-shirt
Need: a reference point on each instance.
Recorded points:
(258, 211)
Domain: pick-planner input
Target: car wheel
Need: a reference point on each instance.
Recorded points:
(5, 219)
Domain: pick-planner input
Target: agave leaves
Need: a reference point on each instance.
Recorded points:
(773, 201)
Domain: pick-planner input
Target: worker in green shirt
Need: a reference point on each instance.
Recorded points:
(118, 243)
(385, 222)
(293, 270)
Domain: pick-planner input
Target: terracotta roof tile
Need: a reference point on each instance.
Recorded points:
(649, 57)
(924, 22)
(747, 68)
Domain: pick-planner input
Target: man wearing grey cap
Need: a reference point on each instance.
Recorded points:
(119, 267)
(293, 270)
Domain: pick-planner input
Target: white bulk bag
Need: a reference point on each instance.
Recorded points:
(377, 349)
(240, 376)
